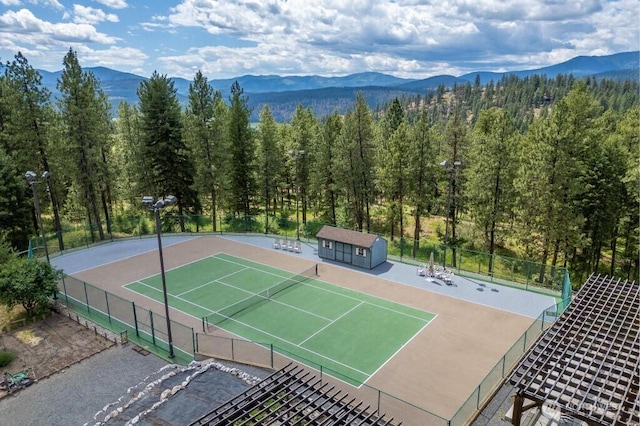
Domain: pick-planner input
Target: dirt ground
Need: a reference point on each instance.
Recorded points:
(51, 345)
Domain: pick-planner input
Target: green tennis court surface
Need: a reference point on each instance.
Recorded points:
(349, 333)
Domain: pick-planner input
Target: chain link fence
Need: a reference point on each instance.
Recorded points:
(269, 355)
(149, 327)
(140, 325)
(531, 276)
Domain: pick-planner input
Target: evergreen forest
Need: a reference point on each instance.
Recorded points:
(541, 168)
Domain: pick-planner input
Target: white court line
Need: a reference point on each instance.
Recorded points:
(300, 309)
(305, 350)
(311, 284)
(180, 266)
(215, 281)
(172, 295)
(369, 303)
(400, 348)
(256, 269)
(294, 344)
(331, 323)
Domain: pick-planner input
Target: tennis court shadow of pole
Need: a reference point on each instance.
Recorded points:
(483, 286)
(378, 270)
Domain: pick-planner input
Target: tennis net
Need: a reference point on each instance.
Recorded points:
(226, 313)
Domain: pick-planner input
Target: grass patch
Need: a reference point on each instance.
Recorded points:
(6, 358)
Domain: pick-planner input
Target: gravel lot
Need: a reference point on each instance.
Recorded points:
(87, 392)
(74, 396)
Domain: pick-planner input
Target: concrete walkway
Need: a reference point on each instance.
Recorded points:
(509, 299)
(484, 293)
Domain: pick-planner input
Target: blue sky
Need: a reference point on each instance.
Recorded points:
(405, 38)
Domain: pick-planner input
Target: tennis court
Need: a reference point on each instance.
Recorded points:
(351, 333)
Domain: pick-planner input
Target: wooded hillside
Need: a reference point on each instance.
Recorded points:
(542, 168)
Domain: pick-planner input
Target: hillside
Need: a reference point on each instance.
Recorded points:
(324, 94)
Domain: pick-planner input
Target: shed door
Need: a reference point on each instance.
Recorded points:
(343, 252)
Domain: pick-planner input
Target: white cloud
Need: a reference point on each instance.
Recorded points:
(407, 38)
(90, 15)
(113, 57)
(23, 25)
(53, 3)
(114, 4)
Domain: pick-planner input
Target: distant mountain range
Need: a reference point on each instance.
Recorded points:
(324, 94)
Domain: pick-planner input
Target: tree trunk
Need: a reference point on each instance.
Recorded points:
(416, 234)
(401, 230)
(333, 208)
(214, 212)
(492, 242)
(105, 208)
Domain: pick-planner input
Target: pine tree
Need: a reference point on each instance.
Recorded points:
(128, 154)
(422, 185)
(204, 133)
(242, 148)
(29, 124)
(550, 182)
(84, 112)
(456, 147)
(490, 173)
(391, 152)
(356, 152)
(270, 160)
(168, 161)
(324, 176)
(304, 131)
(15, 205)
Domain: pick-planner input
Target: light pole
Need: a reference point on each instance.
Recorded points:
(157, 205)
(297, 154)
(452, 169)
(32, 180)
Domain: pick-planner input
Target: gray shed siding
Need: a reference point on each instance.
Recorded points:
(378, 252)
(326, 252)
(351, 247)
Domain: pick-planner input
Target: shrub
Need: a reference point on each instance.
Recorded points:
(6, 357)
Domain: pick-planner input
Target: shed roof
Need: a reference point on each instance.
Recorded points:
(347, 236)
(588, 362)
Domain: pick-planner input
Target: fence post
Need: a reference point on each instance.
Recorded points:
(153, 330)
(135, 318)
(233, 352)
(504, 361)
(86, 297)
(64, 286)
(106, 298)
(492, 262)
(271, 351)
(194, 342)
(379, 397)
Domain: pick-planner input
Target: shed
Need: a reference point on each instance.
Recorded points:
(351, 247)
